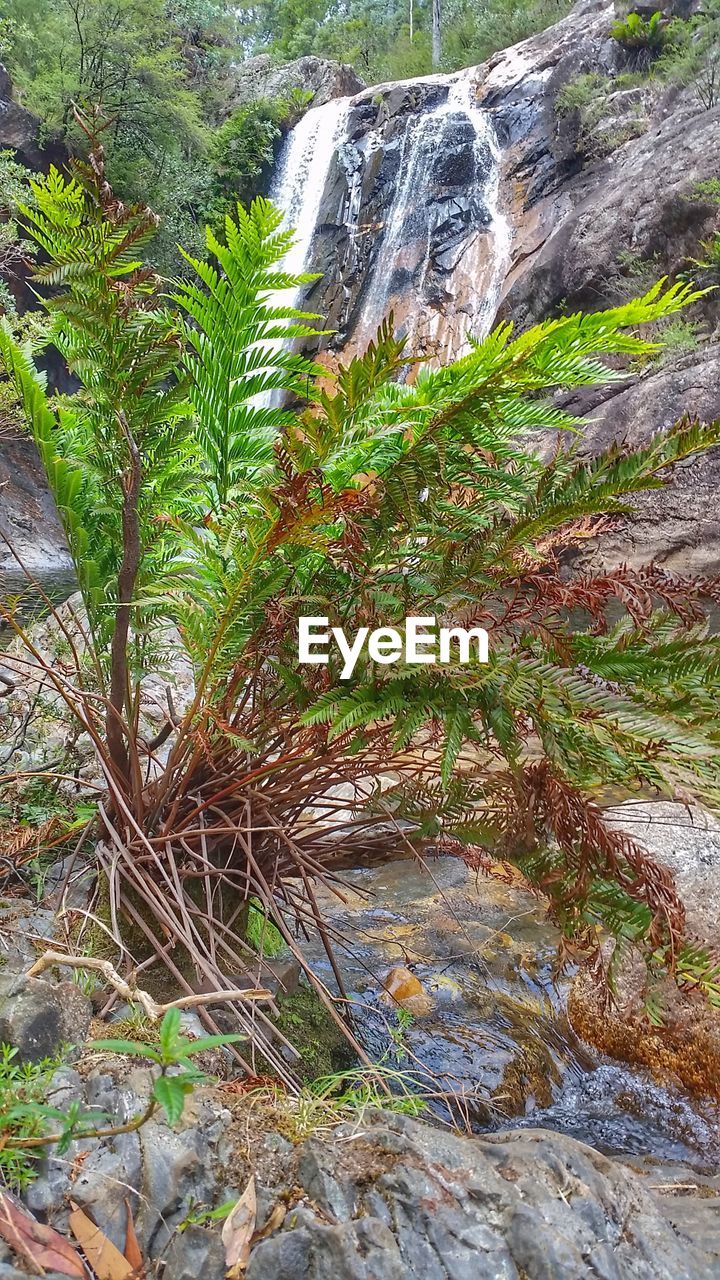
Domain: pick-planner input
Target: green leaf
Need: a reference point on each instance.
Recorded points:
(210, 1042)
(170, 1092)
(131, 1047)
(170, 1035)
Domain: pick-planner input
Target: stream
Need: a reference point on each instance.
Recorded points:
(495, 1035)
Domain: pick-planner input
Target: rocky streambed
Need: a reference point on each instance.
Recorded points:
(562, 1162)
(473, 964)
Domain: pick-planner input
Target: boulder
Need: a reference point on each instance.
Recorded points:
(30, 522)
(37, 1018)
(261, 77)
(399, 1199)
(678, 526)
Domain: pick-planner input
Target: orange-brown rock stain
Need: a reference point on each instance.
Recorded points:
(684, 1051)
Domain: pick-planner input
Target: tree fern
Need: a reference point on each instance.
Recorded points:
(384, 491)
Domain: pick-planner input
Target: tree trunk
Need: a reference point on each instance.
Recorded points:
(436, 34)
(126, 588)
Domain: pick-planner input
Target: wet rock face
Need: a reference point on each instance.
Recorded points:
(405, 220)
(614, 209)
(402, 1199)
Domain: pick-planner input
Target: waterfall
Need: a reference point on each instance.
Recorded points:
(300, 180)
(439, 251)
(297, 190)
(455, 287)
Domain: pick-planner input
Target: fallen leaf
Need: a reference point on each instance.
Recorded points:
(133, 1252)
(277, 1216)
(247, 1083)
(77, 1164)
(42, 1246)
(237, 1232)
(106, 1261)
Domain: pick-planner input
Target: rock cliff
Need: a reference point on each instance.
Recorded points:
(454, 200)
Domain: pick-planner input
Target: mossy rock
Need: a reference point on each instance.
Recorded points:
(307, 1024)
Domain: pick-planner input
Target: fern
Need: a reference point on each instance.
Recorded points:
(263, 495)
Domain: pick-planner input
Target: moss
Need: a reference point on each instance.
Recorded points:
(306, 1023)
(87, 935)
(687, 1053)
(525, 1076)
(137, 1028)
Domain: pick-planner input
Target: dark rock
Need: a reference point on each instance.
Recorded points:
(616, 207)
(176, 1171)
(679, 525)
(194, 1254)
(29, 520)
(402, 1199)
(19, 130)
(38, 1018)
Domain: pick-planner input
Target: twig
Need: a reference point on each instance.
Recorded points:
(135, 995)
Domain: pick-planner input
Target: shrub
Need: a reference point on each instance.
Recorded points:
(473, 30)
(582, 92)
(707, 190)
(23, 1091)
(637, 33)
(709, 263)
(691, 54)
(588, 96)
(244, 148)
(679, 338)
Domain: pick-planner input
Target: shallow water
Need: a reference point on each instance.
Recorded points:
(17, 593)
(496, 1038)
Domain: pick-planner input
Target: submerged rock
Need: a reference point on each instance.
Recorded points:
(401, 988)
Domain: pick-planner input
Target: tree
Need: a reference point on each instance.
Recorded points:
(382, 41)
(147, 69)
(191, 504)
(436, 34)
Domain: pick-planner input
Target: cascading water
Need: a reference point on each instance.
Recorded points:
(300, 181)
(297, 191)
(404, 219)
(453, 251)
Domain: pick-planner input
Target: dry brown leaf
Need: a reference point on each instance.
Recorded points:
(237, 1232)
(275, 1220)
(42, 1246)
(133, 1253)
(106, 1261)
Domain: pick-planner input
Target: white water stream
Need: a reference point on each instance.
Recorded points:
(484, 261)
(300, 179)
(479, 252)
